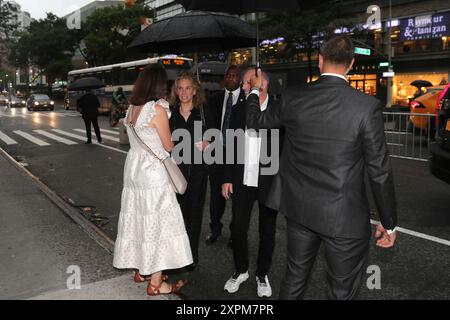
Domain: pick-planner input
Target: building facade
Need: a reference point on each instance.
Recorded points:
(420, 35)
(164, 8)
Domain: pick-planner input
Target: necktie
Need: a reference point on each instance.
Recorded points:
(226, 118)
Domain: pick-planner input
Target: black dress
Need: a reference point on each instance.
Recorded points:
(196, 174)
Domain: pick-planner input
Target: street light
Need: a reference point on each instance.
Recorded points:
(389, 79)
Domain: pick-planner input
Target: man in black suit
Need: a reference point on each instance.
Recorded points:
(247, 183)
(220, 106)
(88, 106)
(332, 133)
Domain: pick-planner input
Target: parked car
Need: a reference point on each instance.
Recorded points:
(440, 150)
(16, 102)
(40, 101)
(4, 101)
(425, 104)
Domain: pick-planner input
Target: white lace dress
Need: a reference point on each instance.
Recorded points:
(151, 235)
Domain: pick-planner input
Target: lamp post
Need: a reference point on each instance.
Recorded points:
(389, 79)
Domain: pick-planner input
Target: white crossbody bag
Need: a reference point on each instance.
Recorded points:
(176, 177)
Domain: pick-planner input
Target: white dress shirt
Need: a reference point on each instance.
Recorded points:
(236, 93)
(334, 75)
(252, 154)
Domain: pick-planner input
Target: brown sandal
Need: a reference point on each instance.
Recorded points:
(153, 290)
(139, 279)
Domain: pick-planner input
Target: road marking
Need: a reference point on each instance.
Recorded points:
(83, 138)
(106, 137)
(110, 131)
(395, 144)
(396, 132)
(7, 139)
(14, 116)
(55, 137)
(418, 234)
(29, 137)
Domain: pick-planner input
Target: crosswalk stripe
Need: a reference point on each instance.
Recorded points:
(110, 131)
(7, 139)
(55, 137)
(14, 116)
(106, 137)
(76, 136)
(29, 137)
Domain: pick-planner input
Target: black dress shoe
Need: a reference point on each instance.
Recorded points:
(88, 142)
(212, 238)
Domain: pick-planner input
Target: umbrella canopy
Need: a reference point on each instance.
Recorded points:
(241, 7)
(85, 84)
(195, 31)
(421, 83)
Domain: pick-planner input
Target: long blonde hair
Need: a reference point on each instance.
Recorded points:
(199, 97)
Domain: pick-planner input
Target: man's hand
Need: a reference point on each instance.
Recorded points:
(202, 145)
(256, 79)
(227, 190)
(385, 240)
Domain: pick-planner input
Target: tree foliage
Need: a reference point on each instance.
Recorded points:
(48, 45)
(303, 31)
(8, 28)
(108, 32)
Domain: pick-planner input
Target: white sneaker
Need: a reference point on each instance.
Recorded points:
(235, 281)
(264, 288)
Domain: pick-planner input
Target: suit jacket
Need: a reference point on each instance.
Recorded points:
(234, 173)
(332, 133)
(89, 104)
(214, 109)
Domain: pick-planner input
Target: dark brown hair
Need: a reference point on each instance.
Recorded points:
(338, 50)
(151, 84)
(199, 97)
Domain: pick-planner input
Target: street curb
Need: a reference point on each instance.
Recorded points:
(91, 229)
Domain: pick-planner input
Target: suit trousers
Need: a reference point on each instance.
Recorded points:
(87, 122)
(191, 205)
(345, 258)
(243, 199)
(217, 202)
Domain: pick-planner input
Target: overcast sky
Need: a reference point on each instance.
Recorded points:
(38, 8)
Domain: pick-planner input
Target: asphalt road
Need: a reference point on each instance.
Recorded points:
(417, 268)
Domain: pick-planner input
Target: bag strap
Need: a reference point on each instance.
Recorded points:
(202, 115)
(131, 125)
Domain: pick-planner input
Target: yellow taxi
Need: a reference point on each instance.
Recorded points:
(425, 104)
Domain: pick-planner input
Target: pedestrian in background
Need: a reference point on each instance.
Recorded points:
(187, 101)
(88, 105)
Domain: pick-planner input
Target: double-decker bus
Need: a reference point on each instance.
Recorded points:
(122, 75)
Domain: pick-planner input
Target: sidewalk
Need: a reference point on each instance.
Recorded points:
(41, 239)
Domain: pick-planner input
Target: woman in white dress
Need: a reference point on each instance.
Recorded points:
(151, 234)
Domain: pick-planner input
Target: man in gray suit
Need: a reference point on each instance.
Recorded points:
(332, 132)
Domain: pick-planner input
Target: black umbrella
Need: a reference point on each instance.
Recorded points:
(241, 7)
(195, 31)
(421, 83)
(85, 84)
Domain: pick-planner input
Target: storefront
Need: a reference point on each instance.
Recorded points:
(403, 92)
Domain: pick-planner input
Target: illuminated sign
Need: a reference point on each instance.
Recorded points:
(171, 62)
(425, 27)
(363, 51)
